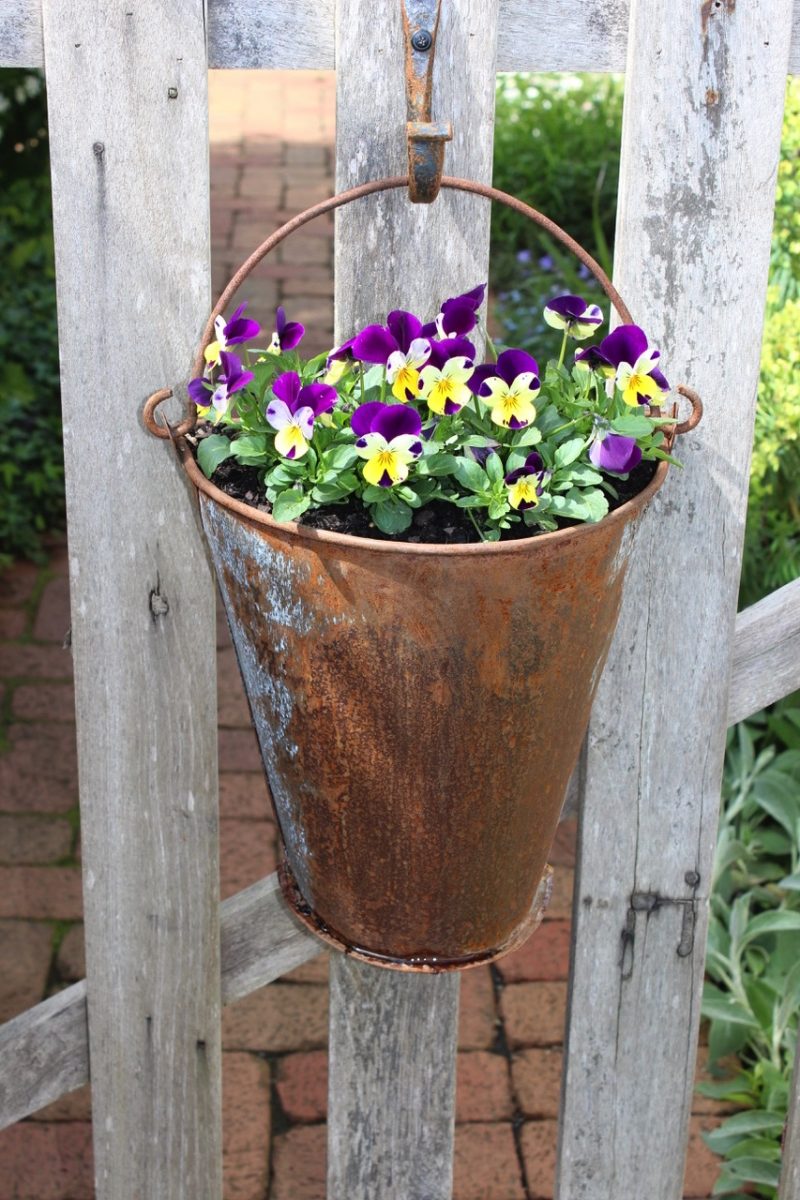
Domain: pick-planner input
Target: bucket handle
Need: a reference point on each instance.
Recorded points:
(162, 430)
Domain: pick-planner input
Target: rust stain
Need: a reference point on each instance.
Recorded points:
(713, 8)
(418, 726)
(712, 97)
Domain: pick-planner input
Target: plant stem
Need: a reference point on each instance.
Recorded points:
(383, 385)
(361, 382)
(490, 346)
(474, 522)
(563, 349)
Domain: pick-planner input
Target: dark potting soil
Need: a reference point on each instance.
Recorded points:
(437, 523)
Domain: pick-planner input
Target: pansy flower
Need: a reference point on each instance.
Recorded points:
(510, 386)
(294, 411)
(232, 378)
(230, 333)
(613, 452)
(625, 352)
(458, 314)
(398, 346)
(287, 335)
(445, 388)
(574, 316)
(526, 483)
(388, 437)
(451, 347)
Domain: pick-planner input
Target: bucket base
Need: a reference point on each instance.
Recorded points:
(421, 964)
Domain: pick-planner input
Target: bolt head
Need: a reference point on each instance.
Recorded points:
(422, 40)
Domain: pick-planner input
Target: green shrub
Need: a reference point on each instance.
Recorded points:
(31, 456)
(785, 261)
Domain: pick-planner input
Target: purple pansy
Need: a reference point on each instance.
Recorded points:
(526, 483)
(613, 452)
(388, 437)
(377, 343)
(231, 333)
(451, 347)
(294, 411)
(287, 335)
(458, 315)
(629, 362)
(573, 315)
(232, 378)
(510, 386)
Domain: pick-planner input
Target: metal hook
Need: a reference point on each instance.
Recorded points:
(426, 138)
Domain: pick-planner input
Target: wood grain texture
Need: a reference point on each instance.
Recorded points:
(127, 90)
(701, 135)
(790, 1173)
(390, 1135)
(533, 35)
(261, 939)
(44, 1053)
(766, 653)
(391, 1096)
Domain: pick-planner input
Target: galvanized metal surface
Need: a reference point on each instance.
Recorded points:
(419, 709)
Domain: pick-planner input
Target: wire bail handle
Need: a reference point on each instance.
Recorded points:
(161, 429)
(426, 137)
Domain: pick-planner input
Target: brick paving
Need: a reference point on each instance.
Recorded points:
(271, 152)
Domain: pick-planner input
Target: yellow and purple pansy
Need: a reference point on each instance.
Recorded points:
(294, 410)
(510, 387)
(388, 437)
(214, 396)
(399, 346)
(574, 316)
(444, 388)
(629, 364)
(287, 334)
(230, 333)
(526, 483)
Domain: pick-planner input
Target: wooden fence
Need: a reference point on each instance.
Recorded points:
(127, 93)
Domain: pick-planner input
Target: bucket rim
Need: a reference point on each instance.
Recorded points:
(306, 533)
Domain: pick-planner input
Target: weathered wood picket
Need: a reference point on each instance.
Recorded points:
(128, 118)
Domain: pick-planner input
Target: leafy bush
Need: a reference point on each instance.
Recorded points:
(785, 261)
(753, 962)
(31, 458)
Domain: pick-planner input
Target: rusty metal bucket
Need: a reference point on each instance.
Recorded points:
(419, 708)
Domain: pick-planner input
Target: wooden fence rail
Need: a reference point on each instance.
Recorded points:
(128, 116)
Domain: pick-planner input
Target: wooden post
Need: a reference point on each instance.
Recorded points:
(129, 148)
(393, 1038)
(701, 135)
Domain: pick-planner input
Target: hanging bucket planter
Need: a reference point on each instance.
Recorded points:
(419, 708)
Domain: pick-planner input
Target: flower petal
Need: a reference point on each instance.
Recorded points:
(615, 453)
(287, 387)
(624, 345)
(512, 363)
(404, 328)
(397, 419)
(279, 414)
(374, 344)
(363, 419)
(290, 441)
(320, 397)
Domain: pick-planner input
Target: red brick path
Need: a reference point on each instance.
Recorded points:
(271, 154)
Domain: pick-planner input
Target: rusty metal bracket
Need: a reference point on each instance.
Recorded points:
(426, 137)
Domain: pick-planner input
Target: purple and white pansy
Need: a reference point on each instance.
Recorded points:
(574, 316)
(458, 315)
(293, 412)
(287, 334)
(389, 438)
(613, 452)
(400, 347)
(215, 396)
(510, 387)
(230, 333)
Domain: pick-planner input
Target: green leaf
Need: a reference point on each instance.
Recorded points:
(771, 922)
(596, 502)
(568, 451)
(436, 464)
(470, 475)
(721, 1007)
(585, 475)
(212, 451)
(375, 495)
(755, 1170)
(393, 516)
(290, 504)
(632, 424)
(572, 505)
(791, 883)
(339, 458)
(251, 449)
(754, 1121)
(494, 467)
(531, 436)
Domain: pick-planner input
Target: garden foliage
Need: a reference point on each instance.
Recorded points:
(31, 458)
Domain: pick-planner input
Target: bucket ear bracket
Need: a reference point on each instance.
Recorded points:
(426, 138)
